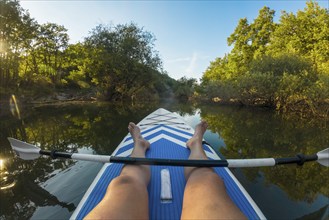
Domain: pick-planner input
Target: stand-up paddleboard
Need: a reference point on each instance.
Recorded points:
(167, 133)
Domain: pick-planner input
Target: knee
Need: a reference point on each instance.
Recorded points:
(202, 173)
(126, 181)
(212, 177)
(198, 180)
(123, 180)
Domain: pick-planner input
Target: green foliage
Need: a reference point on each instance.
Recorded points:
(184, 88)
(305, 33)
(283, 66)
(16, 31)
(115, 62)
(250, 40)
(165, 85)
(257, 89)
(283, 63)
(218, 70)
(75, 64)
(320, 90)
(122, 60)
(223, 91)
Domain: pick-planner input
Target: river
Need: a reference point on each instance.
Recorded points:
(51, 189)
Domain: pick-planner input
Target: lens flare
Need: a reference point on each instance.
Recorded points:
(1, 164)
(2, 46)
(7, 180)
(14, 109)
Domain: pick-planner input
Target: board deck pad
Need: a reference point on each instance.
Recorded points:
(167, 134)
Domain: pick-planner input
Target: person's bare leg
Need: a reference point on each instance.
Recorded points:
(127, 196)
(205, 194)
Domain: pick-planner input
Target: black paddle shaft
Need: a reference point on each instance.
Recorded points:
(169, 162)
(55, 154)
(299, 159)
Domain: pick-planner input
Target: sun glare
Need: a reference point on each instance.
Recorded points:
(14, 107)
(1, 164)
(2, 46)
(6, 179)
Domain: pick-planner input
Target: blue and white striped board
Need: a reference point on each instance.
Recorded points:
(167, 132)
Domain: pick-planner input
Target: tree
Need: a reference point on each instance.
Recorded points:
(185, 88)
(218, 70)
(305, 34)
(261, 31)
(280, 64)
(283, 66)
(51, 43)
(251, 40)
(77, 60)
(123, 59)
(16, 28)
(241, 53)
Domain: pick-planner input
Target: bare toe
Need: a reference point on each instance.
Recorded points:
(200, 129)
(135, 133)
(134, 130)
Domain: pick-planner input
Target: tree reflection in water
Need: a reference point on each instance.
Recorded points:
(250, 133)
(98, 128)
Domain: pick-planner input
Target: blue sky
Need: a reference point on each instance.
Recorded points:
(189, 34)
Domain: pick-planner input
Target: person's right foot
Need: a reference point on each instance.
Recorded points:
(199, 131)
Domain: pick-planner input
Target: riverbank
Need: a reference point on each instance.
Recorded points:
(16, 101)
(24, 98)
(302, 108)
(30, 97)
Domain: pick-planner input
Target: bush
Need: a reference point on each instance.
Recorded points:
(299, 92)
(257, 88)
(284, 63)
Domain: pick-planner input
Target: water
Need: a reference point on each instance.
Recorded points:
(51, 189)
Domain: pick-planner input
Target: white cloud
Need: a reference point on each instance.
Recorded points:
(192, 65)
(180, 59)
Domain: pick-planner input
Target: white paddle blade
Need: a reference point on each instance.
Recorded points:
(323, 157)
(24, 150)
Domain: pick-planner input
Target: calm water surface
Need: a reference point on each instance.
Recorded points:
(51, 189)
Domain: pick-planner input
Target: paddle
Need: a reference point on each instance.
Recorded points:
(30, 152)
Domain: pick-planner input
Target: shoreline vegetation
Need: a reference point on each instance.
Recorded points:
(282, 66)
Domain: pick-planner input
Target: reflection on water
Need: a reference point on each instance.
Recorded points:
(250, 133)
(14, 109)
(6, 179)
(34, 185)
(322, 213)
(46, 188)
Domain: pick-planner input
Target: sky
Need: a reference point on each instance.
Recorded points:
(189, 34)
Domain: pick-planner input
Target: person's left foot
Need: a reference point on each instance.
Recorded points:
(135, 133)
